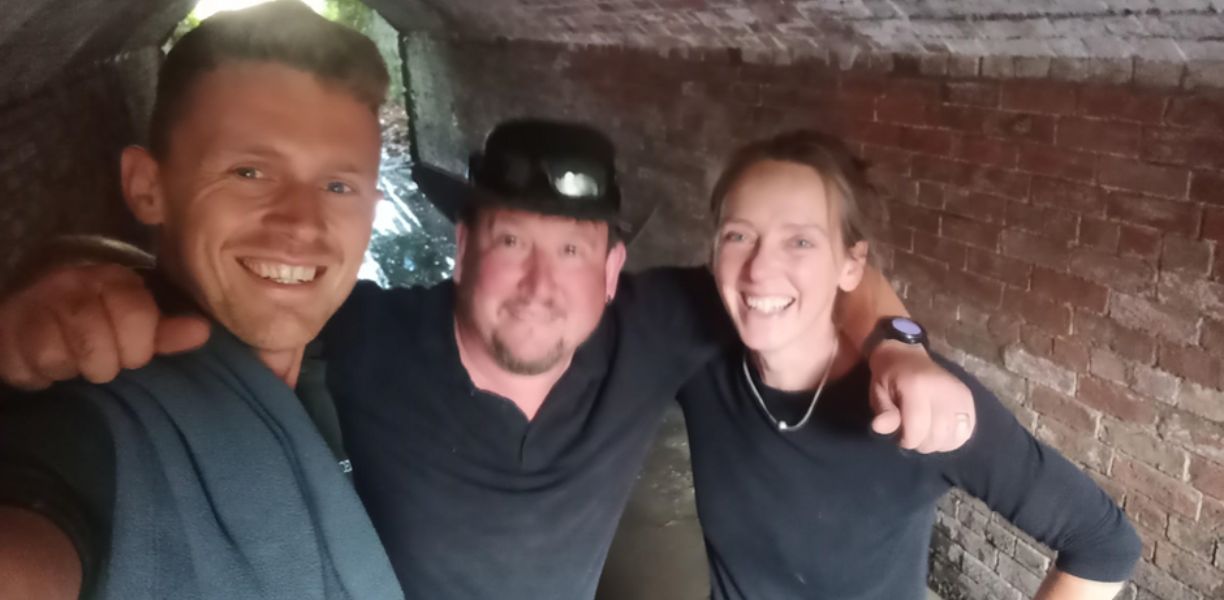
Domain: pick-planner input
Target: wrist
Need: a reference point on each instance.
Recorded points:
(887, 352)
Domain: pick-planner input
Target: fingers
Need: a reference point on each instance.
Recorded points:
(14, 368)
(90, 337)
(182, 333)
(43, 348)
(939, 436)
(887, 416)
(915, 422)
(134, 315)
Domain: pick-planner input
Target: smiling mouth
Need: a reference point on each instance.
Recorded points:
(284, 274)
(767, 305)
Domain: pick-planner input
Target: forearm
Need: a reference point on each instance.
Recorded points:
(37, 559)
(1064, 586)
(859, 310)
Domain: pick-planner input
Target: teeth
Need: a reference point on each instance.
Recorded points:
(768, 304)
(280, 273)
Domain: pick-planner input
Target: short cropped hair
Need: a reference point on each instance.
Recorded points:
(843, 173)
(284, 31)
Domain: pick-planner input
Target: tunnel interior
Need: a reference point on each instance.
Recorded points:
(1052, 178)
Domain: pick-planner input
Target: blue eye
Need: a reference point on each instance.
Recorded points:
(733, 236)
(803, 243)
(339, 187)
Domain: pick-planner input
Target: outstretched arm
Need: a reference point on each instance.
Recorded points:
(37, 559)
(909, 391)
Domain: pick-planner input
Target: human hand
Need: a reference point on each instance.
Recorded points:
(89, 321)
(909, 391)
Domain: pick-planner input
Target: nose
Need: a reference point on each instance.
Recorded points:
(761, 264)
(296, 212)
(539, 277)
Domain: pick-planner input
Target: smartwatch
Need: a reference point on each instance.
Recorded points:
(904, 330)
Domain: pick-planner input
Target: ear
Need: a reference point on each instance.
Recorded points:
(142, 185)
(612, 268)
(852, 268)
(461, 241)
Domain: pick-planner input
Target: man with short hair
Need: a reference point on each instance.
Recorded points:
(202, 475)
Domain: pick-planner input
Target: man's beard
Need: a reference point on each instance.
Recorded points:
(507, 360)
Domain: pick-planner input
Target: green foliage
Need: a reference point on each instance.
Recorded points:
(353, 13)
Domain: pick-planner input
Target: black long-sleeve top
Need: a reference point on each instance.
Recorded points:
(835, 511)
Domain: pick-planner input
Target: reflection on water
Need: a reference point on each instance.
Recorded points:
(412, 243)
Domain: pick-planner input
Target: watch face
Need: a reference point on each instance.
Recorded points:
(907, 326)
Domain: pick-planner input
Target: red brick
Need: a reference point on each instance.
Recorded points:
(984, 292)
(1123, 104)
(1193, 536)
(1035, 249)
(1084, 199)
(891, 186)
(1139, 242)
(1051, 316)
(901, 111)
(1070, 352)
(1165, 215)
(1072, 443)
(1075, 291)
(879, 134)
(941, 170)
(1001, 182)
(972, 93)
(1207, 188)
(1064, 409)
(1147, 513)
(974, 233)
(1134, 176)
(1213, 336)
(1191, 570)
(1115, 400)
(1039, 97)
(1036, 340)
(930, 195)
(1207, 476)
(985, 151)
(1099, 234)
(1120, 273)
(919, 218)
(913, 89)
(1213, 226)
(1192, 257)
(1105, 137)
(1191, 363)
(1163, 321)
(1057, 224)
(940, 249)
(1182, 147)
(1100, 331)
(1141, 444)
(1204, 111)
(1199, 435)
(996, 266)
(959, 118)
(1109, 366)
(1175, 495)
(1019, 126)
(922, 272)
(886, 160)
(1057, 162)
(977, 206)
(926, 141)
(893, 234)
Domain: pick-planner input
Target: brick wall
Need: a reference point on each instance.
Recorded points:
(59, 167)
(1062, 239)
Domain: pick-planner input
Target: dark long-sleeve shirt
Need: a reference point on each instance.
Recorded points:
(835, 511)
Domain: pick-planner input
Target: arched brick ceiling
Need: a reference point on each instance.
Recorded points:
(1164, 30)
(39, 38)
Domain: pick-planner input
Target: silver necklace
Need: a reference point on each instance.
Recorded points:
(783, 426)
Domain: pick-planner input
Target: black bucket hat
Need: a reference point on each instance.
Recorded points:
(548, 167)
